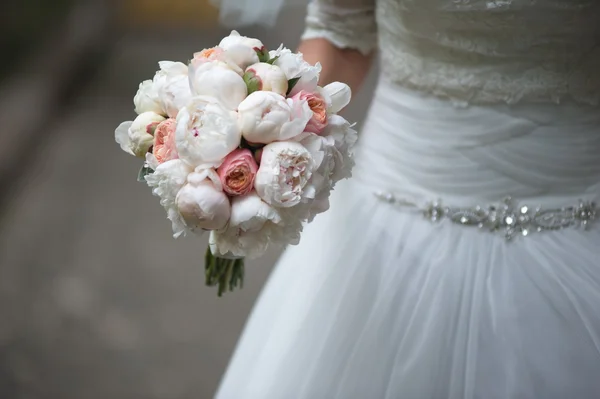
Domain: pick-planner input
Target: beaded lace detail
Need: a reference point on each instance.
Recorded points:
(506, 218)
(474, 51)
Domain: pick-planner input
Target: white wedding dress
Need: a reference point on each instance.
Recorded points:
(390, 295)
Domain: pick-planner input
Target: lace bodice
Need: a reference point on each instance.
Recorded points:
(474, 51)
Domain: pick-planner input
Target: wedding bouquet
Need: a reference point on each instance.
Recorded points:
(243, 143)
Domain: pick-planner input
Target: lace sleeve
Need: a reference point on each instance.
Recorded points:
(345, 23)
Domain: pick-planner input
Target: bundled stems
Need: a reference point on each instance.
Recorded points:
(226, 274)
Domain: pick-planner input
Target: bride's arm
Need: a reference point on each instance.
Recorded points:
(342, 36)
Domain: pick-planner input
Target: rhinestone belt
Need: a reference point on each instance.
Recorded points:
(506, 218)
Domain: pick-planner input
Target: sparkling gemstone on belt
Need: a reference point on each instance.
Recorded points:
(507, 217)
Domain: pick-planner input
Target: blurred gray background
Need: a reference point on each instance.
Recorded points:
(96, 298)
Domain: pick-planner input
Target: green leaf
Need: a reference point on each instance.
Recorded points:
(252, 82)
(291, 84)
(272, 60)
(144, 171)
(263, 54)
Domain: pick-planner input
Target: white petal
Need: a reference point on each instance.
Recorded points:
(253, 226)
(301, 114)
(166, 181)
(250, 212)
(219, 81)
(151, 161)
(202, 173)
(171, 67)
(340, 95)
(122, 137)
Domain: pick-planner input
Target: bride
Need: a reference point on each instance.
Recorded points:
(462, 260)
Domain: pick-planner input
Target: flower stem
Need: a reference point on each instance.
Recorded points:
(225, 274)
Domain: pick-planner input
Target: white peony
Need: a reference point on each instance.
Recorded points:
(334, 148)
(253, 227)
(141, 132)
(322, 180)
(166, 181)
(206, 132)
(202, 203)
(165, 92)
(322, 177)
(294, 66)
(174, 88)
(137, 137)
(344, 138)
(241, 49)
(218, 80)
(146, 99)
(215, 54)
(265, 117)
(266, 77)
(284, 176)
(249, 229)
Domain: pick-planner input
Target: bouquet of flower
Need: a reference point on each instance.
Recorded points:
(241, 142)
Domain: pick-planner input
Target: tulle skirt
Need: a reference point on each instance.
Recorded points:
(378, 302)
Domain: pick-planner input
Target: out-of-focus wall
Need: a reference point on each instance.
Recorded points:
(195, 14)
(24, 24)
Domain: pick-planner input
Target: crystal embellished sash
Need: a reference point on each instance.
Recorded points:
(506, 218)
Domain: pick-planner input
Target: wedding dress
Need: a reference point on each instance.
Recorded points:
(424, 280)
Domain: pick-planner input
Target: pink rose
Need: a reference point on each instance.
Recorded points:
(237, 172)
(164, 141)
(318, 106)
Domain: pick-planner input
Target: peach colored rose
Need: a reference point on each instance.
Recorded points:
(318, 106)
(164, 141)
(237, 172)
